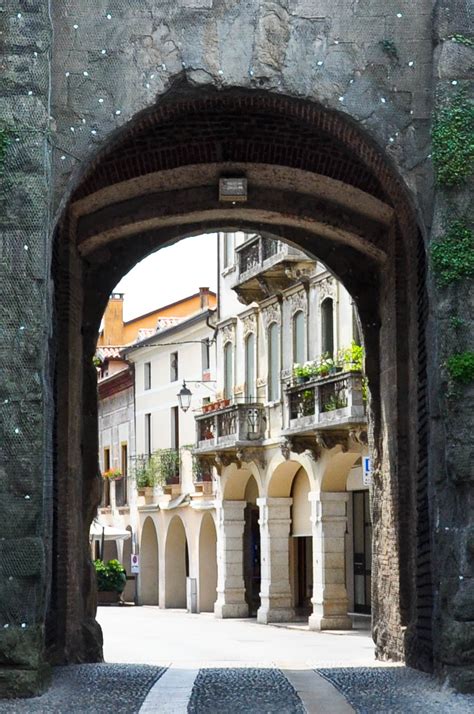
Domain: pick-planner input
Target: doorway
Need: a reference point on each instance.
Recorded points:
(362, 552)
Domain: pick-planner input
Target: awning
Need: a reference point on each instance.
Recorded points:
(99, 530)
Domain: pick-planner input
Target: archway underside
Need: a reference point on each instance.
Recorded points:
(316, 182)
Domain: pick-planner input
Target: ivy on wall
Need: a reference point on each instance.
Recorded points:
(5, 141)
(453, 141)
(452, 255)
(460, 367)
(462, 40)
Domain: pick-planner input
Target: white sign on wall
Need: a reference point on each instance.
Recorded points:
(135, 563)
(366, 470)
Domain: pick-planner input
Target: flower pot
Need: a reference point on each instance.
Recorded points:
(225, 403)
(108, 597)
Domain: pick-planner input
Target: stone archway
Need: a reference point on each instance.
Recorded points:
(176, 564)
(149, 577)
(315, 180)
(207, 564)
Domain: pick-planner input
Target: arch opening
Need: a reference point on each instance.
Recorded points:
(315, 181)
(149, 564)
(207, 564)
(176, 564)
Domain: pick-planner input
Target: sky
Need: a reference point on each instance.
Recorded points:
(170, 274)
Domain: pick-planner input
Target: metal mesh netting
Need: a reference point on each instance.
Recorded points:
(63, 95)
(25, 387)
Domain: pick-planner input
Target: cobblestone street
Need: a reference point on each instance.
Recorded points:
(172, 662)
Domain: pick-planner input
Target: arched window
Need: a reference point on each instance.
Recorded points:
(228, 370)
(299, 353)
(273, 363)
(250, 390)
(327, 327)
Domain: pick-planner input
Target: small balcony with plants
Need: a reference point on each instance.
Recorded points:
(157, 473)
(327, 393)
(227, 424)
(266, 266)
(202, 474)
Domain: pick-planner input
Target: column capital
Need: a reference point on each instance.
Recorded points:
(267, 501)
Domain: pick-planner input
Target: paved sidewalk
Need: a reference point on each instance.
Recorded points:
(195, 664)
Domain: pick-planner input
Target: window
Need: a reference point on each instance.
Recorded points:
(147, 368)
(205, 355)
(121, 494)
(299, 355)
(273, 363)
(174, 428)
(174, 367)
(355, 326)
(148, 434)
(228, 370)
(250, 390)
(228, 239)
(327, 327)
(105, 502)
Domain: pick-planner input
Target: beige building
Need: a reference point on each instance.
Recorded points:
(268, 513)
(286, 442)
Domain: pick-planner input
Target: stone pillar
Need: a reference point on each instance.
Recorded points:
(230, 562)
(330, 601)
(275, 589)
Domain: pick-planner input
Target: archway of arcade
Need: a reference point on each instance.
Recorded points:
(315, 180)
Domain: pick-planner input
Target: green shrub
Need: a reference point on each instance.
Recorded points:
(111, 576)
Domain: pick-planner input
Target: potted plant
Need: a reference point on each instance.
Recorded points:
(112, 474)
(304, 372)
(352, 358)
(145, 477)
(111, 581)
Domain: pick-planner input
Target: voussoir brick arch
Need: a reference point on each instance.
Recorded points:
(246, 127)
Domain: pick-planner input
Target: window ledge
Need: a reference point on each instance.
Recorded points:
(123, 509)
(228, 270)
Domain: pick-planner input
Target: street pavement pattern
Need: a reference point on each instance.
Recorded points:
(195, 664)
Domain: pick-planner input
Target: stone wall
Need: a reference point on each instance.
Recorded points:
(369, 60)
(451, 462)
(25, 383)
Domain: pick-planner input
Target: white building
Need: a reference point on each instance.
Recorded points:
(268, 514)
(288, 454)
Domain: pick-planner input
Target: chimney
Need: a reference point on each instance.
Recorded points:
(204, 295)
(113, 320)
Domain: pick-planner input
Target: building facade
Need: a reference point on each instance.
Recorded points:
(146, 437)
(268, 513)
(287, 439)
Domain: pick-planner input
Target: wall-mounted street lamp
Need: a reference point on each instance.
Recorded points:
(184, 395)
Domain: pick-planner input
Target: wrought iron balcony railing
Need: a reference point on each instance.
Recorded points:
(266, 265)
(230, 426)
(326, 402)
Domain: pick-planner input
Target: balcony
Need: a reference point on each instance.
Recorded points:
(328, 403)
(232, 427)
(267, 266)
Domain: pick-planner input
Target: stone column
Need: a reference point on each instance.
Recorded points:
(330, 601)
(275, 589)
(230, 563)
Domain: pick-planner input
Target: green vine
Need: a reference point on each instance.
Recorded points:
(462, 40)
(6, 136)
(389, 48)
(461, 367)
(453, 254)
(453, 141)
(457, 322)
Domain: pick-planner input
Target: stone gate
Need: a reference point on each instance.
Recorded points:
(117, 120)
